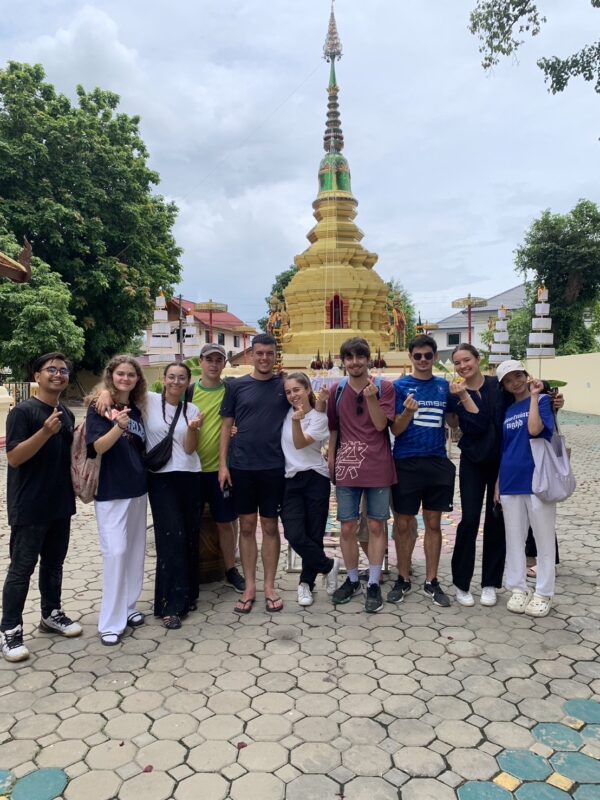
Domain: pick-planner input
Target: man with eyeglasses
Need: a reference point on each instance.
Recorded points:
(40, 500)
(425, 473)
(360, 462)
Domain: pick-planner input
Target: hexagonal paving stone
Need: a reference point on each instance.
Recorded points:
(110, 754)
(174, 726)
(472, 764)
(457, 733)
(524, 765)
(577, 767)
(363, 730)
(43, 784)
(478, 790)
(263, 756)
(149, 785)
(61, 754)
(269, 728)
(316, 729)
(221, 727)
(413, 732)
(591, 734)
(99, 784)
(587, 792)
(585, 710)
(558, 737)
(419, 761)
(316, 758)
(426, 788)
(162, 755)
(540, 791)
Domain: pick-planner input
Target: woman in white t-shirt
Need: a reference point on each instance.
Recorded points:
(173, 492)
(306, 499)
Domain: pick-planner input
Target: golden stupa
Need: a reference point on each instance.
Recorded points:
(336, 294)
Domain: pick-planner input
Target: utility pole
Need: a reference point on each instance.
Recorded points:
(180, 329)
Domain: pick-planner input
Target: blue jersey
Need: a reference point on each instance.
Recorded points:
(425, 435)
(516, 464)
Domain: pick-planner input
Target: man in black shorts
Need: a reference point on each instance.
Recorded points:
(252, 464)
(425, 473)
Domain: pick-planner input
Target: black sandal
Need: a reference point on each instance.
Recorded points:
(172, 622)
(136, 619)
(110, 639)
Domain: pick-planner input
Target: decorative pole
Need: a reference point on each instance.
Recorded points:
(541, 338)
(211, 307)
(469, 303)
(500, 347)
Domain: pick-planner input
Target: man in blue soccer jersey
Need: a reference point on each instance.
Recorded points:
(425, 473)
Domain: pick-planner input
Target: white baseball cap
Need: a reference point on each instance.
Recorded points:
(505, 367)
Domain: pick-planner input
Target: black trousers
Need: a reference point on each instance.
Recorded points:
(531, 547)
(49, 543)
(175, 503)
(304, 516)
(475, 480)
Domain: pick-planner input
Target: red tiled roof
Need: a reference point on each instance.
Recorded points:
(220, 319)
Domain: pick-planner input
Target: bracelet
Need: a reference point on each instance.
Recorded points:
(121, 427)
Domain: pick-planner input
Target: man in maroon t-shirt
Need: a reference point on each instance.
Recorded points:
(360, 461)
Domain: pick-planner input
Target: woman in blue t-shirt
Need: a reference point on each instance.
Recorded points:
(530, 416)
(120, 502)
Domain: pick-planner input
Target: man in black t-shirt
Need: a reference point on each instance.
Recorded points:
(41, 502)
(252, 465)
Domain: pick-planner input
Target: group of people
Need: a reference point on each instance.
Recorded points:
(265, 445)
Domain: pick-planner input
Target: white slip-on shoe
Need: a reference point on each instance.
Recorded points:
(488, 596)
(305, 597)
(464, 598)
(539, 606)
(518, 601)
(331, 578)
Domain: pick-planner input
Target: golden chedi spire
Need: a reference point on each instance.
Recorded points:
(336, 294)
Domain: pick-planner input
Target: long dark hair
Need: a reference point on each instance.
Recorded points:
(465, 346)
(185, 394)
(304, 380)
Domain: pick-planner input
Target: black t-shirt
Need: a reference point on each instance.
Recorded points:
(40, 490)
(258, 409)
(122, 472)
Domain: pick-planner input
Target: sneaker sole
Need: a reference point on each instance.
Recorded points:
(48, 629)
(466, 604)
(346, 599)
(488, 605)
(15, 659)
(373, 610)
(235, 588)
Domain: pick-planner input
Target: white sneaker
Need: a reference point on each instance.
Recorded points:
(488, 596)
(464, 598)
(305, 597)
(11, 644)
(518, 601)
(539, 606)
(58, 622)
(331, 578)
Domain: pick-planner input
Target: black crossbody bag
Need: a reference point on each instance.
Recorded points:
(160, 454)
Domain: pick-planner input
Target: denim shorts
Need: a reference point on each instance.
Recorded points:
(348, 503)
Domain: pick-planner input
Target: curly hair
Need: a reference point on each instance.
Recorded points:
(139, 391)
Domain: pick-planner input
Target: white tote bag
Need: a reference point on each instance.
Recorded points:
(553, 478)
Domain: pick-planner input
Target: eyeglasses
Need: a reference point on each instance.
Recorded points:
(57, 371)
(176, 378)
(359, 404)
(426, 356)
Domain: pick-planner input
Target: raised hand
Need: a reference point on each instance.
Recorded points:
(370, 389)
(323, 395)
(122, 419)
(410, 404)
(536, 387)
(196, 423)
(457, 387)
(298, 414)
(53, 424)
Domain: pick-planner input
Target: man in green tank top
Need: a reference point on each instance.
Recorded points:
(207, 396)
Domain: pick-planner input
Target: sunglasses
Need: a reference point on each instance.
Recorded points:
(426, 356)
(359, 404)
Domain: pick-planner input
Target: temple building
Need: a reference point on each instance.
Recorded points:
(336, 294)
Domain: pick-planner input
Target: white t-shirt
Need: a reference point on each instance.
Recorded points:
(314, 425)
(157, 428)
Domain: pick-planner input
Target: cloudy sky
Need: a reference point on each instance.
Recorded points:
(449, 164)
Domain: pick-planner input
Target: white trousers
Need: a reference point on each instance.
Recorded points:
(520, 511)
(122, 534)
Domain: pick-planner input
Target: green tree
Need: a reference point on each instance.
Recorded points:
(500, 25)
(563, 253)
(281, 281)
(75, 180)
(34, 316)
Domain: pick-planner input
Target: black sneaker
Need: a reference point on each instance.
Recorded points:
(346, 592)
(374, 601)
(399, 590)
(234, 579)
(434, 590)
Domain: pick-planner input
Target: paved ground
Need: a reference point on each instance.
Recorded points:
(415, 702)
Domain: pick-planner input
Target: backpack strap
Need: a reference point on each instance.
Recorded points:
(338, 394)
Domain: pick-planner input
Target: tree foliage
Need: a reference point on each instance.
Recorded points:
(279, 284)
(563, 253)
(500, 26)
(75, 180)
(34, 316)
(398, 291)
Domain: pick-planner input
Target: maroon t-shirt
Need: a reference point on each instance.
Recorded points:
(364, 456)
